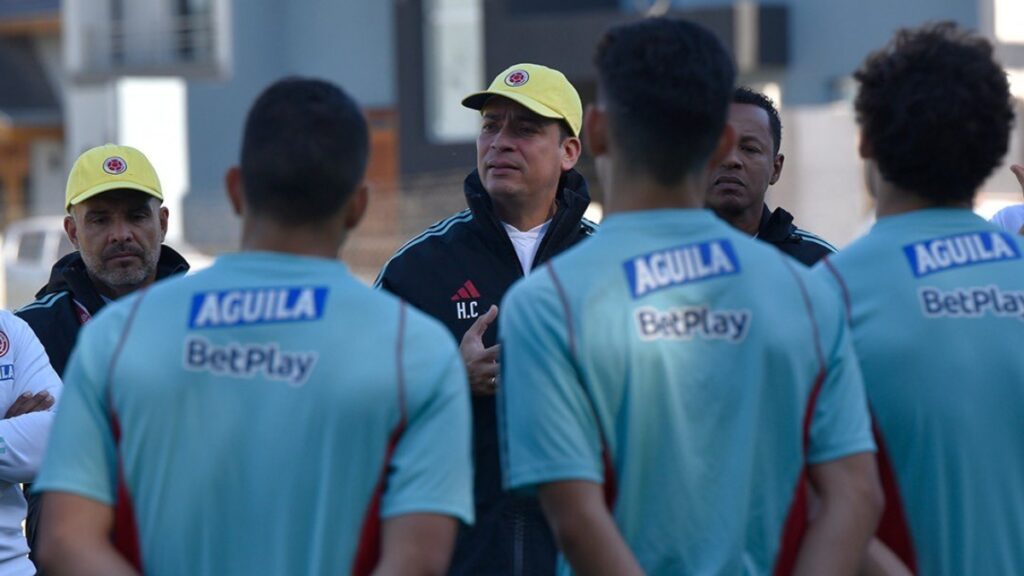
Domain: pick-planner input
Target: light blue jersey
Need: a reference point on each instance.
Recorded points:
(266, 413)
(936, 303)
(691, 370)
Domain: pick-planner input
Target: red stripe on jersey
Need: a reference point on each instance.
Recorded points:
(125, 535)
(472, 289)
(126, 532)
(893, 530)
(463, 293)
(368, 549)
(796, 520)
(611, 485)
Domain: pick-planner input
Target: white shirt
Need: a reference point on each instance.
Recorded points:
(1010, 218)
(24, 368)
(526, 243)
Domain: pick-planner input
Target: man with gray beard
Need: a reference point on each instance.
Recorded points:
(117, 222)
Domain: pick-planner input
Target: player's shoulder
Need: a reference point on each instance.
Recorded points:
(546, 282)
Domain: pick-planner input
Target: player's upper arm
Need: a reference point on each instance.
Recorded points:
(416, 545)
(841, 423)
(547, 423)
(431, 469)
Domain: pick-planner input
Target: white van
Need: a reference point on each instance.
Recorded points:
(30, 247)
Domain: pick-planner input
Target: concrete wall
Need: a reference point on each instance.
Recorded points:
(822, 185)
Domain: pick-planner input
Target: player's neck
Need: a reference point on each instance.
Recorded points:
(626, 192)
(322, 240)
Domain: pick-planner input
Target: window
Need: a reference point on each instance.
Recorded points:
(30, 248)
(453, 67)
(1010, 21)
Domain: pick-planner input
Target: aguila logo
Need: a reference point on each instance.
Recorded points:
(114, 165)
(517, 78)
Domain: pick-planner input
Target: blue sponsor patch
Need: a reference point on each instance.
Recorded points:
(6, 371)
(680, 265)
(247, 306)
(951, 252)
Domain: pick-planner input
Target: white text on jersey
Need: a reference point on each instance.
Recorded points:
(691, 322)
(973, 302)
(680, 265)
(249, 360)
(939, 254)
(257, 306)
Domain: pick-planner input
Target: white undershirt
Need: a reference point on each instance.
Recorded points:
(526, 243)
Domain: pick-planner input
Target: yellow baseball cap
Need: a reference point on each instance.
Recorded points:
(543, 90)
(110, 167)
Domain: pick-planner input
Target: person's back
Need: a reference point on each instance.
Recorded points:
(683, 356)
(258, 437)
(272, 414)
(935, 297)
(667, 409)
(940, 351)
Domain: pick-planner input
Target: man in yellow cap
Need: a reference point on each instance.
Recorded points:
(526, 204)
(116, 221)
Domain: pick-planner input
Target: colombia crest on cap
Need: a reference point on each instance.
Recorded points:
(115, 165)
(517, 78)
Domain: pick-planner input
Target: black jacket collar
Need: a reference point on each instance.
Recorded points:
(777, 227)
(572, 199)
(69, 274)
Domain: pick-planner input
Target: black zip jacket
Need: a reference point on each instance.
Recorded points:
(454, 271)
(777, 229)
(54, 316)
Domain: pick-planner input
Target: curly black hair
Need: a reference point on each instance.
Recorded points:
(744, 95)
(935, 111)
(666, 84)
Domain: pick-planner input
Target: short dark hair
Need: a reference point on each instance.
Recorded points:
(745, 95)
(304, 150)
(666, 86)
(935, 111)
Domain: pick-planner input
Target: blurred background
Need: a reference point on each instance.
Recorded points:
(175, 78)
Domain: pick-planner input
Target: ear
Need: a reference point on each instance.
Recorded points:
(780, 159)
(164, 213)
(725, 143)
(233, 185)
(71, 229)
(355, 208)
(571, 148)
(595, 130)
